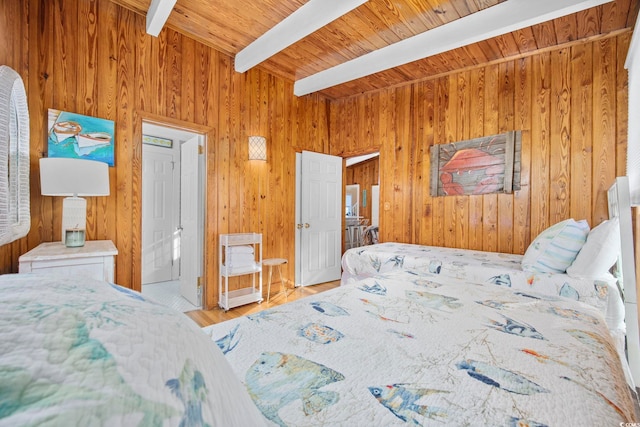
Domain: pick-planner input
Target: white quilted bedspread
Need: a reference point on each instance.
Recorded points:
(79, 352)
(422, 349)
(481, 267)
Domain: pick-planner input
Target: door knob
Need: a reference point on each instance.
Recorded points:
(306, 225)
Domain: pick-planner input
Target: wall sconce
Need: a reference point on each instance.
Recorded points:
(73, 177)
(257, 148)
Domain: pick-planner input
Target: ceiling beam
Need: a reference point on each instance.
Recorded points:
(157, 15)
(310, 17)
(494, 21)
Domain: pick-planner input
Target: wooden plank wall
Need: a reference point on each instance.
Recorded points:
(570, 103)
(94, 57)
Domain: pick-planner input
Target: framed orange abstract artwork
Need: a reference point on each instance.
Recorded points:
(486, 165)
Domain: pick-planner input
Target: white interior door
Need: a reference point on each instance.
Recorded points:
(158, 224)
(320, 218)
(189, 191)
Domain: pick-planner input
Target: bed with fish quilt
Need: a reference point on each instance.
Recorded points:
(80, 352)
(483, 267)
(415, 348)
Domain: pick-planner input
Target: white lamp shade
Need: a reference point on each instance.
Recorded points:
(73, 177)
(257, 148)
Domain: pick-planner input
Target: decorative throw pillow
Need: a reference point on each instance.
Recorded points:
(556, 248)
(599, 253)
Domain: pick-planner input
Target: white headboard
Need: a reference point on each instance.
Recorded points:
(620, 206)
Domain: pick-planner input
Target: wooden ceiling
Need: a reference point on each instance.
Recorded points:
(230, 25)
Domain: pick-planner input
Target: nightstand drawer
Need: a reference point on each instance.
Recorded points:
(94, 260)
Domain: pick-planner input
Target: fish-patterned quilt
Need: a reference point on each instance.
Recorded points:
(80, 352)
(415, 348)
(482, 267)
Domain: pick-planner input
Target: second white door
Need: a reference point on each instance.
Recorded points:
(159, 213)
(320, 226)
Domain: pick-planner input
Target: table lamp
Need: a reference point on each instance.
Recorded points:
(73, 178)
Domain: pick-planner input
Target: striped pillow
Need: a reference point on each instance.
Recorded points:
(555, 249)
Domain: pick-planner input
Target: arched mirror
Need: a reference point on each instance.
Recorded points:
(15, 216)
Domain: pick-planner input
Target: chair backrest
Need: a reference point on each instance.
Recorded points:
(370, 235)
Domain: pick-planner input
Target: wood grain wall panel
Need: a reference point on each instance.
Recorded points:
(420, 153)
(522, 120)
(173, 74)
(387, 156)
(559, 166)
(453, 126)
(570, 107)
(39, 83)
(526, 40)
(136, 76)
(64, 51)
(633, 13)
(124, 240)
(566, 28)
(87, 51)
(188, 79)
(588, 23)
(95, 58)
(491, 126)
(144, 97)
(604, 125)
(425, 114)
(463, 129)
(540, 142)
(545, 34)
(476, 130)
(614, 14)
(403, 168)
(622, 102)
(441, 102)
(106, 100)
(86, 83)
(506, 106)
(581, 130)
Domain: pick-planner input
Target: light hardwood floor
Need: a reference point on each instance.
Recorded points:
(208, 317)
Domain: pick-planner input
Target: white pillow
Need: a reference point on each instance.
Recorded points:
(599, 253)
(556, 248)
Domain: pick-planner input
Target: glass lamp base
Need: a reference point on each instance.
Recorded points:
(74, 238)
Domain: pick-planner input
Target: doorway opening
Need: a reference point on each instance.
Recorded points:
(362, 200)
(173, 177)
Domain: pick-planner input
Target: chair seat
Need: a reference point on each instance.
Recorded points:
(274, 261)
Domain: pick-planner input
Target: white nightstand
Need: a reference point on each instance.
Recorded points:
(96, 259)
